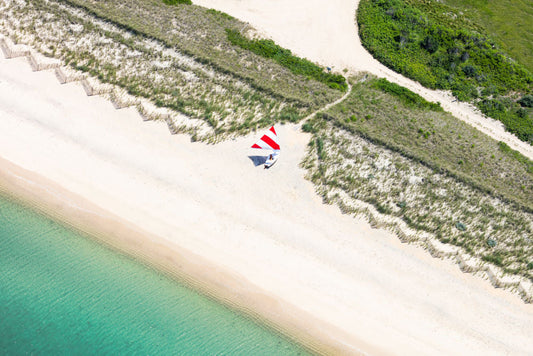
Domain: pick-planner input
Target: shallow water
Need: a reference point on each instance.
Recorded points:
(62, 293)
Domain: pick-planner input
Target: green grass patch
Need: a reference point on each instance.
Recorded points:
(176, 2)
(283, 56)
(405, 95)
(507, 21)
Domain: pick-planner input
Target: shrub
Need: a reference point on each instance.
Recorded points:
(320, 148)
(526, 101)
(175, 2)
(494, 259)
(289, 114)
(308, 127)
(430, 44)
(469, 70)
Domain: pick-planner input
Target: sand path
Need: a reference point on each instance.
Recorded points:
(266, 228)
(326, 32)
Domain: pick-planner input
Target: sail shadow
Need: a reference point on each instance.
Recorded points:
(258, 160)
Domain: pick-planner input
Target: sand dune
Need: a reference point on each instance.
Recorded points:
(259, 238)
(326, 32)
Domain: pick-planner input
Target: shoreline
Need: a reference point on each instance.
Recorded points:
(209, 201)
(76, 213)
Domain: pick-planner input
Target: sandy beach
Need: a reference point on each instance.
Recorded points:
(258, 239)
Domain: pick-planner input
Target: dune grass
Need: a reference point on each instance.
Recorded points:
(175, 2)
(177, 56)
(427, 169)
(201, 33)
(436, 139)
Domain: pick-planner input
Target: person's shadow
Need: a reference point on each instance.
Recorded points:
(258, 160)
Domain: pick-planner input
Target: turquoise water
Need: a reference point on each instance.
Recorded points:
(61, 293)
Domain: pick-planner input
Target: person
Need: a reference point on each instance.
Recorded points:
(271, 157)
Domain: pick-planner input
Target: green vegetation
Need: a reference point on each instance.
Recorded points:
(425, 169)
(218, 13)
(178, 57)
(526, 101)
(268, 49)
(437, 140)
(175, 2)
(507, 21)
(405, 95)
(201, 33)
(430, 43)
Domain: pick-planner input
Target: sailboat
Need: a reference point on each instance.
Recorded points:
(269, 141)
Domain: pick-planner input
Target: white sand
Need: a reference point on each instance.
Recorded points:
(267, 239)
(326, 32)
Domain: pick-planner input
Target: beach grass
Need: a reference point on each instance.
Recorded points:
(177, 56)
(429, 170)
(436, 139)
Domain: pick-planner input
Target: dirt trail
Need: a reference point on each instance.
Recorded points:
(326, 32)
(340, 100)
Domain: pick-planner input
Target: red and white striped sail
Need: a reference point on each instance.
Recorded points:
(268, 141)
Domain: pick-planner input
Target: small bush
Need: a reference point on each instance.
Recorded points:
(460, 226)
(320, 148)
(175, 2)
(221, 14)
(494, 259)
(469, 70)
(308, 127)
(526, 101)
(289, 114)
(430, 44)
